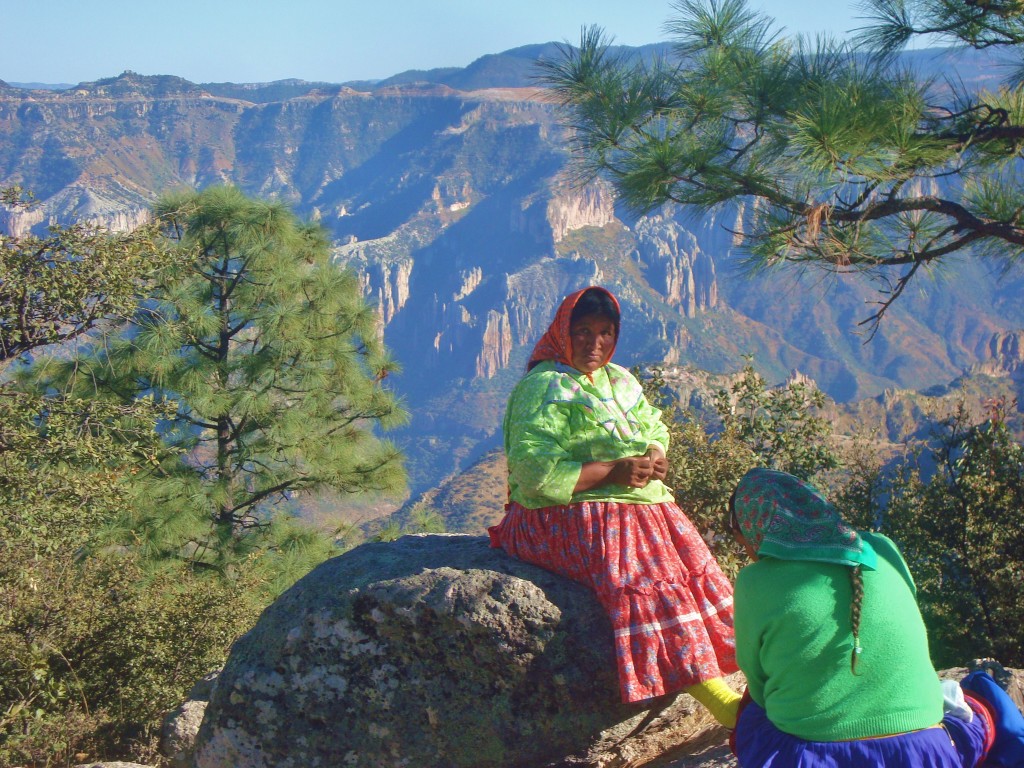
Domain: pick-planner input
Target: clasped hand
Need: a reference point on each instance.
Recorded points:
(632, 471)
(638, 471)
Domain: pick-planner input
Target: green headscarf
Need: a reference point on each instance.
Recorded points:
(782, 516)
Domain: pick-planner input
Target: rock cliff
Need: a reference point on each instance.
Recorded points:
(592, 206)
(677, 267)
(1004, 355)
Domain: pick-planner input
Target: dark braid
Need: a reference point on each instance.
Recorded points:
(856, 598)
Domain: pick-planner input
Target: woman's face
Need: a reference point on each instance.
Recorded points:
(593, 339)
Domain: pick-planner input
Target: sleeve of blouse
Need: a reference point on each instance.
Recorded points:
(653, 427)
(537, 438)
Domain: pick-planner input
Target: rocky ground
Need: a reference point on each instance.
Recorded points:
(709, 749)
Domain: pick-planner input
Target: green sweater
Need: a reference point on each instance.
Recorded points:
(793, 643)
(559, 418)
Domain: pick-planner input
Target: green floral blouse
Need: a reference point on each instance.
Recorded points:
(558, 418)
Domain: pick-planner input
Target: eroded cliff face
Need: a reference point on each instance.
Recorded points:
(496, 345)
(573, 209)
(386, 286)
(1004, 356)
(75, 203)
(17, 222)
(677, 267)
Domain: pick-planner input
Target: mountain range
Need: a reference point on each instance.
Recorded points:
(450, 192)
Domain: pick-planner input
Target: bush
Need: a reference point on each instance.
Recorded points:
(93, 647)
(96, 651)
(962, 531)
(778, 427)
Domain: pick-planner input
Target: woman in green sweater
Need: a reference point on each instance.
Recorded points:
(831, 640)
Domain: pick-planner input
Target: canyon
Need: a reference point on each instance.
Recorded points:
(453, 196)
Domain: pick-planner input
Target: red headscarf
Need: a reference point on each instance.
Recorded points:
(556, 343)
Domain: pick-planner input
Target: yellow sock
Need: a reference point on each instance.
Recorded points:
(721, 700)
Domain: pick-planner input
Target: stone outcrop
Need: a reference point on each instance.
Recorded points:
(434, 650)
(1004, 355)
(592, 206)
(388, 290)
(802, 379)
(18, 222)
(496, 347)
(178, 734)
(676, 266)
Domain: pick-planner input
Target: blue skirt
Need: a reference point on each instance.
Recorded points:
(955, 744)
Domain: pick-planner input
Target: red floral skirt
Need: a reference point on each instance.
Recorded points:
(669, 602)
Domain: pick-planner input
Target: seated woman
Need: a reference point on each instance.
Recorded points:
(831, 640)
(586, 456)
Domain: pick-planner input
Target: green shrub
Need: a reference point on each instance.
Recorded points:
(96, 650)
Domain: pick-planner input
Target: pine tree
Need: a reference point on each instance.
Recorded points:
(276, 365)
(843, 158)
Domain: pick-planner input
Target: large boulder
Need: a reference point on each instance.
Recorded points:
(432, 651)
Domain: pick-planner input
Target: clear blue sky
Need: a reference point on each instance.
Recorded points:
(71, 41)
